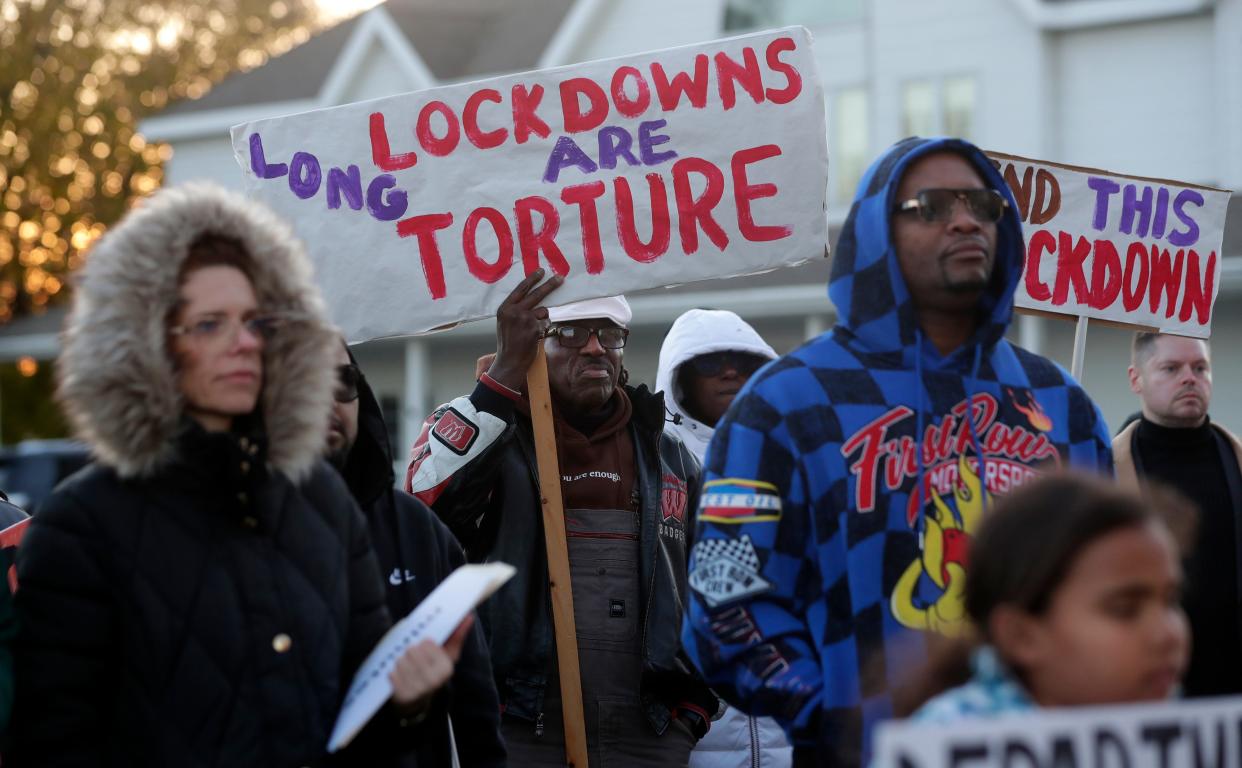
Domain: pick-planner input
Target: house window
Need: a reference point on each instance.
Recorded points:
(918, 109)
(938, 107)
(959, 106)
(850, 131)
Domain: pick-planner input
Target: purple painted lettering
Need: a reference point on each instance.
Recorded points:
(567, 153)
(648, 139)
(1131, 204)
(1161, 216)
(304, 175)
(259, 164)
(1104, 188)
(388, 207)
(613, 143)
(348, 182)
(1191, 235)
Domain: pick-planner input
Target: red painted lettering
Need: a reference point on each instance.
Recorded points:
(793, 81)
(744, 192)
(634, 246)
(533, 241)
(1105, 275)
(694, 212)
(381, 152)
(1198, 297)
(470, 120)
(575, 119)
(694, 88)
(424, 228)
(584, 196)
(746, 74)
(1132, 292)
(1041, 241)
(625, 105)
(437, 145)
(1070, 257)
(525, 120)
(479, 267)
(1165, 278)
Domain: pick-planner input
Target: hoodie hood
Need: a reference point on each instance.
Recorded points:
(116, 378)
(701, 332)
(368, 471)
(874, 308)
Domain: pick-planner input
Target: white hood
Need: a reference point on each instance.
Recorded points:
(701, 332)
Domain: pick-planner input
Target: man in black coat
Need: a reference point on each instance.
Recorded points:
(415, 552)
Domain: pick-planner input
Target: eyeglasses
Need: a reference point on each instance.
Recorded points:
(348, 377)
(577, 336)
(986, 205)
(715, 363)
(216, 327)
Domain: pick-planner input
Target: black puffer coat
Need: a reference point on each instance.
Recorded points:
(193, 599)
(205, 616)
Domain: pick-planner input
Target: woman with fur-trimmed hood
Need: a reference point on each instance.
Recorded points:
(202, 594)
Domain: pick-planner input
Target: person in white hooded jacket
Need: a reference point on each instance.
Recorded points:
(706, 358)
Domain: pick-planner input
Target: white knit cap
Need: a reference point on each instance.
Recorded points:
(614, 308)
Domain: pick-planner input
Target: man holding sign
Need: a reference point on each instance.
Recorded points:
(627, 488)
(844, 484)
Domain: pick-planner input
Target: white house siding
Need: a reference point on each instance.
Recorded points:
(209, 159)
(1142, 99)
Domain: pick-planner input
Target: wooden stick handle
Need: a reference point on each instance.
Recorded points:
(558, 560)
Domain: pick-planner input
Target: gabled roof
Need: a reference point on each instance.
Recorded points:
(456, 39)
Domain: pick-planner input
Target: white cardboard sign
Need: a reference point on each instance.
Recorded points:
(435, 618)
(425, 209)
(1133, 250)
(1202, 733)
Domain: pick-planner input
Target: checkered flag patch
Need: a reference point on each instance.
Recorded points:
(739, 550)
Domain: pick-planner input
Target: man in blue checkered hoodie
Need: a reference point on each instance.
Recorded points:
(844, 483)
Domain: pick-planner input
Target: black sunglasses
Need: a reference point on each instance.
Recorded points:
(577, 336)
(932, 205)
(347, 379)
(715, 363)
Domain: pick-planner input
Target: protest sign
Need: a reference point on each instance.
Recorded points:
(1201, 733)
(435, 618)
(425, 209)
(1128, 249)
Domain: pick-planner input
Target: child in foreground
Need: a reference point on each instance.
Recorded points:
(1074, 589)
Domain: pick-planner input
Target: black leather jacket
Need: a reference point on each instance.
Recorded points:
(487, 493)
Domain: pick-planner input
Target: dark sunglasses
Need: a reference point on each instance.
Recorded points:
(347, 379)
(715, 363)
(933, 205)
(577, 336)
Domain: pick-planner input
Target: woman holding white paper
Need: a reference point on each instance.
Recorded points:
(203, 592)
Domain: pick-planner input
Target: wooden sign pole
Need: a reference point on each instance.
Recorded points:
(558, 560)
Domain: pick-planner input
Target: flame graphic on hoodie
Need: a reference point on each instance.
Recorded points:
(943, 558)
(1033, 411)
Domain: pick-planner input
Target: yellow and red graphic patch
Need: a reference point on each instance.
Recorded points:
(734, 501)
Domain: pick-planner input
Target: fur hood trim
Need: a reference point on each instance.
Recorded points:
(115, 373)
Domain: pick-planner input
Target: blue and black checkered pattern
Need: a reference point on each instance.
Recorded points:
(827, 647)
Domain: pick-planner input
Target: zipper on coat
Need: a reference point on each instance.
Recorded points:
(754, 742)
(539, 726)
